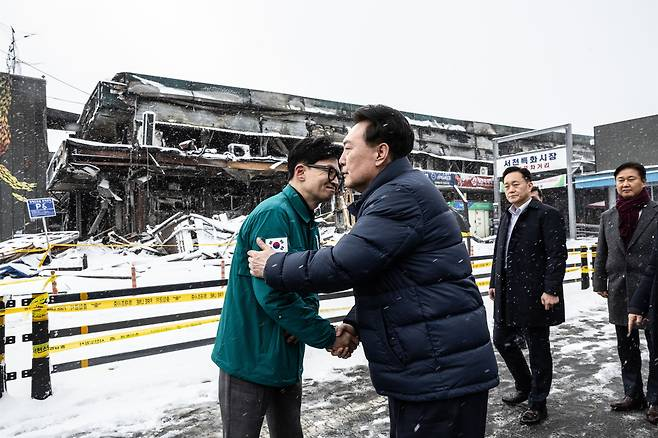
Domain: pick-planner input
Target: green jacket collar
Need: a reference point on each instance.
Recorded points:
(298, 204)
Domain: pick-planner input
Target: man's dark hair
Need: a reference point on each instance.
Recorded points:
(310, 150)
(538, 190)
(522, 170)
(387, 125)
(633, 165)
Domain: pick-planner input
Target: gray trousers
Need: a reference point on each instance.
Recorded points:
(244, 405)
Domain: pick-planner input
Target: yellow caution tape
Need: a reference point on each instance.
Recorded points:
(22, 280)
(43, 259)
(115, 245)
(123, 336)
(50, 280)
(136, 301)
(30, 280)
(335, 309)
(481, 283)
(38, 307)
(42, 350)
(477, 265)
(119, 303)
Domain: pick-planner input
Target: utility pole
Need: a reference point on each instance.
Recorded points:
(11, 54)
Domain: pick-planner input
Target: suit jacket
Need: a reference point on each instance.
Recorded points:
(536, 263)
(618, 269)
(646, 296)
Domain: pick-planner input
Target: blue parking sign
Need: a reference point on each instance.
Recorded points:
(41, 207)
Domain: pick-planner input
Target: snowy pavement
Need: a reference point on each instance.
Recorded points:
(174, 394)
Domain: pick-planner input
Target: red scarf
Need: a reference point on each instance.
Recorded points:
(629, 214)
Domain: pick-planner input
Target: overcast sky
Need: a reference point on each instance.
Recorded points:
(524, 63)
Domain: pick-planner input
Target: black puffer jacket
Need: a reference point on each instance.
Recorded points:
(418, 311)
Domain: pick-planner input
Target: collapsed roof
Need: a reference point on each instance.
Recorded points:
(148, 146)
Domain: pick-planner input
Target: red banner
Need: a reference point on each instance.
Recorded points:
(468, 180)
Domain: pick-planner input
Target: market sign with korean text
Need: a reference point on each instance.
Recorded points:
(539, 161)
(440, 178)
(553, 182)
(469, 180)
(461, 180)
(472, 205)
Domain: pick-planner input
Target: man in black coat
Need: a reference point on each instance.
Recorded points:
(643, 305)
(526, 286)
(417, 310)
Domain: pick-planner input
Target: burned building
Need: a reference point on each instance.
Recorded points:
(148, 147)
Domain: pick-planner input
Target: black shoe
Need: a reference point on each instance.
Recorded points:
(533, 416)
(629, 404)
(514, 398)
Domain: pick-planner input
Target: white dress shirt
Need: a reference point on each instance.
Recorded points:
(515, 213)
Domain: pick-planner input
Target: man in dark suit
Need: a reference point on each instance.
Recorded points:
(526, 286)
(626, 238)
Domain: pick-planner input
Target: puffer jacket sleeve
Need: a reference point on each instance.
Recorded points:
(295, 315)
(292, 312)
(387, 228)
(555, 242)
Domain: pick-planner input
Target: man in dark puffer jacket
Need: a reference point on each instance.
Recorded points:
(417, 308)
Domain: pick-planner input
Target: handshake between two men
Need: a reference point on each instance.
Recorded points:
(346, 341)
(346, 337)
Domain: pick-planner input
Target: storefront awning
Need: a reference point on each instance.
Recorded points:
(606, 178)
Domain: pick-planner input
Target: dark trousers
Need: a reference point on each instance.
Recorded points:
(535, 380)
(243, 406)
(463, 417)
(630, 357)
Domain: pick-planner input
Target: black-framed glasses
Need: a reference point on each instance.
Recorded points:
(332, 172)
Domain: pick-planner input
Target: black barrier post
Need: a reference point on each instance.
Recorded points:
(593, 248)
(584, 268)
(41, 388)
(3, 370)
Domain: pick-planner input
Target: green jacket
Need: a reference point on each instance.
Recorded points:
(250, 342)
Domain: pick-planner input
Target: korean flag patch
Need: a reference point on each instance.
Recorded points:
(278, 244)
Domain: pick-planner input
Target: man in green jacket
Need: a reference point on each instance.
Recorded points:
(260, 340)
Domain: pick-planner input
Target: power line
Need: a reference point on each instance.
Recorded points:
(65, 100)
(48, 74)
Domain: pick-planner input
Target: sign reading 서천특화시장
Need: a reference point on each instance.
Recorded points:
(538, 161)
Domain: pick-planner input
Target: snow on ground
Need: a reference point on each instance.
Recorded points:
(174, 394)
